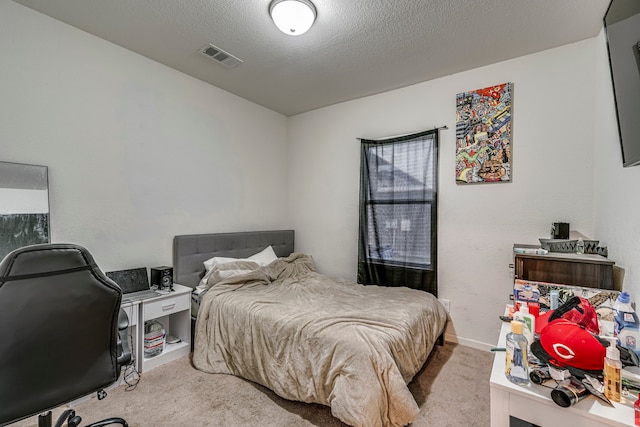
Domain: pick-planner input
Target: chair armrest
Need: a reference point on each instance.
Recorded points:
(123, 320)
(124, 350)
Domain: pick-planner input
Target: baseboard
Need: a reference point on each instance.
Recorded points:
(468, 342)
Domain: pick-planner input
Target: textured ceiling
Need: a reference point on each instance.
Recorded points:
(356, 47)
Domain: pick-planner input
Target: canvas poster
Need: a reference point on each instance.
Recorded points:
(483, 135)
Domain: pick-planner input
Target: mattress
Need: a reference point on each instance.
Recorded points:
(313, 338)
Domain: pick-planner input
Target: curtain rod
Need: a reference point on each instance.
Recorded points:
(445, 127)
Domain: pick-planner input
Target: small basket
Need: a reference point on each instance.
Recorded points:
(571, 246)
(559, 245)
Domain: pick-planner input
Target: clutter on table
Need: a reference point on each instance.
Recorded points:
(579, 342)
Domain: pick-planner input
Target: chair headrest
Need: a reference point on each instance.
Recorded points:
(45, 258)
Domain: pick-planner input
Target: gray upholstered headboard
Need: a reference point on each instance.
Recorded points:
(190, 251)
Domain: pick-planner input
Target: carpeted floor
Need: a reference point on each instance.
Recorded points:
(452, 389)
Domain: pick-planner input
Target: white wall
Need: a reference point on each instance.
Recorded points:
(137, 152)
(553, 176)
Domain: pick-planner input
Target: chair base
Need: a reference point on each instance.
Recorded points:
(109, 421)
(72, 420)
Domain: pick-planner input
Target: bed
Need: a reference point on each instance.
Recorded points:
(308, 337)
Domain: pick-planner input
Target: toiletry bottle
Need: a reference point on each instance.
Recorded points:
(612, 367)
(516, 363)
(636, 411)
(528, 323)
(627, 327)
(553, 301)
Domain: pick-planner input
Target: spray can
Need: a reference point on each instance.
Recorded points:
(553, 299)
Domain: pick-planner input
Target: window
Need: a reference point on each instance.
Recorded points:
(398, 206)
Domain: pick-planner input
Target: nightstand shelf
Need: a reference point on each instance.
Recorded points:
(173, 312)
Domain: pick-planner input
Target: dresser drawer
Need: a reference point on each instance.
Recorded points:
(166, 306)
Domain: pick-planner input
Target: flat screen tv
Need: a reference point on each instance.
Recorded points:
(622, 28)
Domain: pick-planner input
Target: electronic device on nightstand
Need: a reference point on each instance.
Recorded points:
(162, 277)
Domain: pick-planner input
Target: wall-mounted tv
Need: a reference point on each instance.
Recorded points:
(622, 28)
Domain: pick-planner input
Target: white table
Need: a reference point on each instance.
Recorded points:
(533, 404)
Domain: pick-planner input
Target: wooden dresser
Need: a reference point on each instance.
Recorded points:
(588, 270)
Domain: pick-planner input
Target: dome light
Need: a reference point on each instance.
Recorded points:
(293, 17)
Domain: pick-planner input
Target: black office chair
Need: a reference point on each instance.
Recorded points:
(60, 318)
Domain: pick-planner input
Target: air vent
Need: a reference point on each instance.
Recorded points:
(220, 56)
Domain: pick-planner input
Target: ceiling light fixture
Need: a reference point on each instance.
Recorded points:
(293, 17)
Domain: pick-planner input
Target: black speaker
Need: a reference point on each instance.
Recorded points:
(560, 230)
(162, 277)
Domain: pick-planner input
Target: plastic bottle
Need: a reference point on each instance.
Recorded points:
(636, 411)
(627, 327)
(612, 367)
(516, 364)
(554, 295)
(528, 323)
(580, 246)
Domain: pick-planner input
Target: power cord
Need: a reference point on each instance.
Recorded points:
(131, 376)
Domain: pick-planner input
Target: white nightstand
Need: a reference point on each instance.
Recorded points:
(173, 311)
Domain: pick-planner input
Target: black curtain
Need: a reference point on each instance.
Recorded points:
(398, 211)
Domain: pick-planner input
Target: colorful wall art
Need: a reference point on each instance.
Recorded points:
(483, 135)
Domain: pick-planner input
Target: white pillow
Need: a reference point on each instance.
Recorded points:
(262, 258)
(217, 260)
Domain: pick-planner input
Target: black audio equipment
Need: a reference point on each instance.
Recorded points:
(162, 277)
(560, 230)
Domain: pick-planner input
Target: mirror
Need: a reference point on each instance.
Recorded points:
(24, 206)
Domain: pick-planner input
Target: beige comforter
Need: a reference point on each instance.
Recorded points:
(312, 338)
